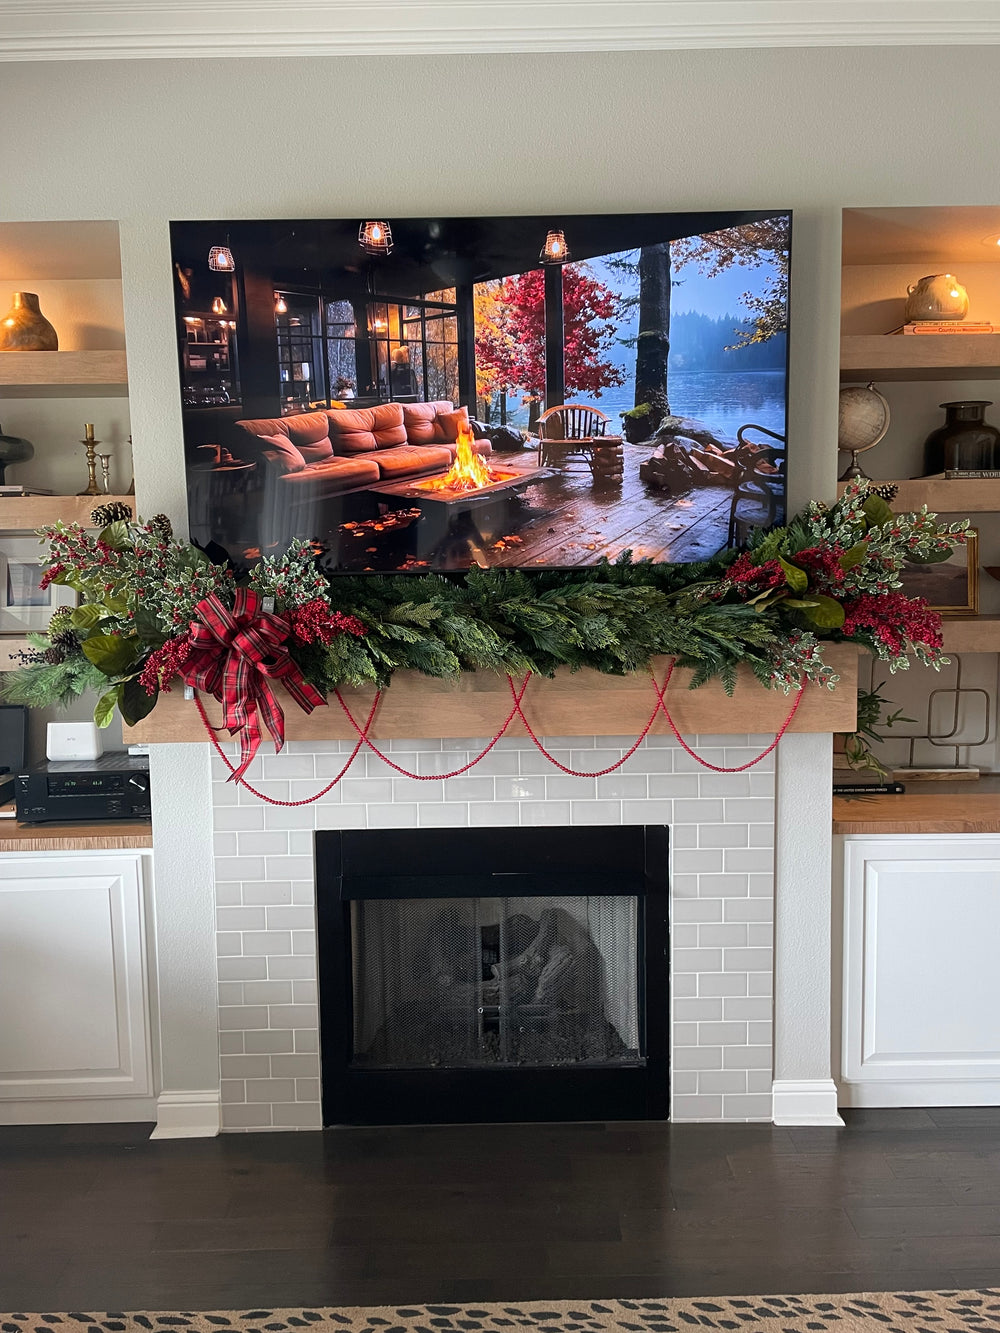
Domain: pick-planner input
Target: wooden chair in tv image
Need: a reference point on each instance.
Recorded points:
(758, 483)
(567, 433)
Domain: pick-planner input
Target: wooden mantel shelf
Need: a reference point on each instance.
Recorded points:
(584, 703)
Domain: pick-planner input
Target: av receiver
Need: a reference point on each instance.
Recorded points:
(116, 786)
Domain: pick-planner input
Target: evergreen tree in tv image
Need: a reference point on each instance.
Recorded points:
(482, 395)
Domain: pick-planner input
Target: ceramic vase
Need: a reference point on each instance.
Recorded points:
(938, 296)
(966, 440)
(25, 329)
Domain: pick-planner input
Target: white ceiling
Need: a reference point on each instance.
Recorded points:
(921, 235)
(59, 250)
(125, 29)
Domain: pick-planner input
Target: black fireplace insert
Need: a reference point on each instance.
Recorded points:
(496, 974)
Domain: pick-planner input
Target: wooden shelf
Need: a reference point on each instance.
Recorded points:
(74, 837)
(62, 369)
(925, 807)
(962, 495)
(971, 634)
(920, 356)
(582, 703)
(24, 513)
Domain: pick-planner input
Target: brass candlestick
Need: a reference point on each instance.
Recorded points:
(105, 473)
(90, 444)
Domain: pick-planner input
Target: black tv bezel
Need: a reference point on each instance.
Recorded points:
(695, 222)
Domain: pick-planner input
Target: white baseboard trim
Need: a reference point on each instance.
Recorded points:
(78, 1111)
(188, 1115)
(922, 1092)
(807, 1101)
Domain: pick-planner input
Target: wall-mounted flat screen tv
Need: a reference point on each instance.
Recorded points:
(414, 394)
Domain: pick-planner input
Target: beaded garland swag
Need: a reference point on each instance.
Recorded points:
(154, 611)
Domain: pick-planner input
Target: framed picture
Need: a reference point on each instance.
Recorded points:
(952, 586)
(10, 649)
(24, 603)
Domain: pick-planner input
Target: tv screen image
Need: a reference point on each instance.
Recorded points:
(414, 394)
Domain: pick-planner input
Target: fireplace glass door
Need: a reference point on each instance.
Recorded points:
(483, 975)
(461, 983)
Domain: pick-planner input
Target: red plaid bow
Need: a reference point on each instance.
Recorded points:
(236, 654)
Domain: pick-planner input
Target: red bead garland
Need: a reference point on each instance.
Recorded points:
(516, 711)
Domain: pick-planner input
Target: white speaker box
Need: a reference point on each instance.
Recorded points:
(73, 740)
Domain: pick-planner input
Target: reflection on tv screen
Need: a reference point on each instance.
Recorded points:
(414, 394)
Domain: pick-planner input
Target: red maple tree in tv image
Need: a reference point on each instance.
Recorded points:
(510, 335)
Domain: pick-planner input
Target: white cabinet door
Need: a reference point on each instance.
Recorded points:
(921, 1002)
(73, 986)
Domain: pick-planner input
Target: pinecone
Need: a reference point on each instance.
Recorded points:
(162, 526)
(53, 656)
(888, 491)
(65, 640)
(115, 512)
(61, 622)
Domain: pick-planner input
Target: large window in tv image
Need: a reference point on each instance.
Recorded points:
(437, 394)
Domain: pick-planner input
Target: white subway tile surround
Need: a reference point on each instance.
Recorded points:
(722, 891)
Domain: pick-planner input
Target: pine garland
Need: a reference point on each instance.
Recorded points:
(831, 574)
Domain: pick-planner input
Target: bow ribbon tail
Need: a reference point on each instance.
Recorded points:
(274, 718)
(249, 743)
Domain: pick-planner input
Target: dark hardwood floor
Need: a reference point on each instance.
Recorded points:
(98, 1217)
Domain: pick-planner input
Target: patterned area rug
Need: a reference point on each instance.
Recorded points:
(893, 1312)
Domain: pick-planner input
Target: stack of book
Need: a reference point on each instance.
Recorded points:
(8, 488)
(947, 326)
(857, 785)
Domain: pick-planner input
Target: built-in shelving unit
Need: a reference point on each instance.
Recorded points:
(24, 513)
(926, 356)
(971, 634)
(74, 837)
(925, 807)
(69, 369)
(963, 495)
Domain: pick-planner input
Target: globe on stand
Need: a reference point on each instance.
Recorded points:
(862, 423)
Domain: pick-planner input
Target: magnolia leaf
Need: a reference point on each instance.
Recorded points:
(798, 579)
(800, 602)
(826, 612)
(116, 535)
(134, 702)
(854, 555)
(88, 615)
(931, 557)
(876, 511)
(764, 600)
(104, 709)
(111, 653)
(118, 606)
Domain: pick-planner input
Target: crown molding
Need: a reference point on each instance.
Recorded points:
(182, 29)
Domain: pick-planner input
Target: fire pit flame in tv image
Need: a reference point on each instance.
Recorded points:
(467, 473)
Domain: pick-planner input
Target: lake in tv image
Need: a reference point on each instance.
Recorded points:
(436, 394)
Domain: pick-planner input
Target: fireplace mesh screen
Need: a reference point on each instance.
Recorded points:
(464, 982)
